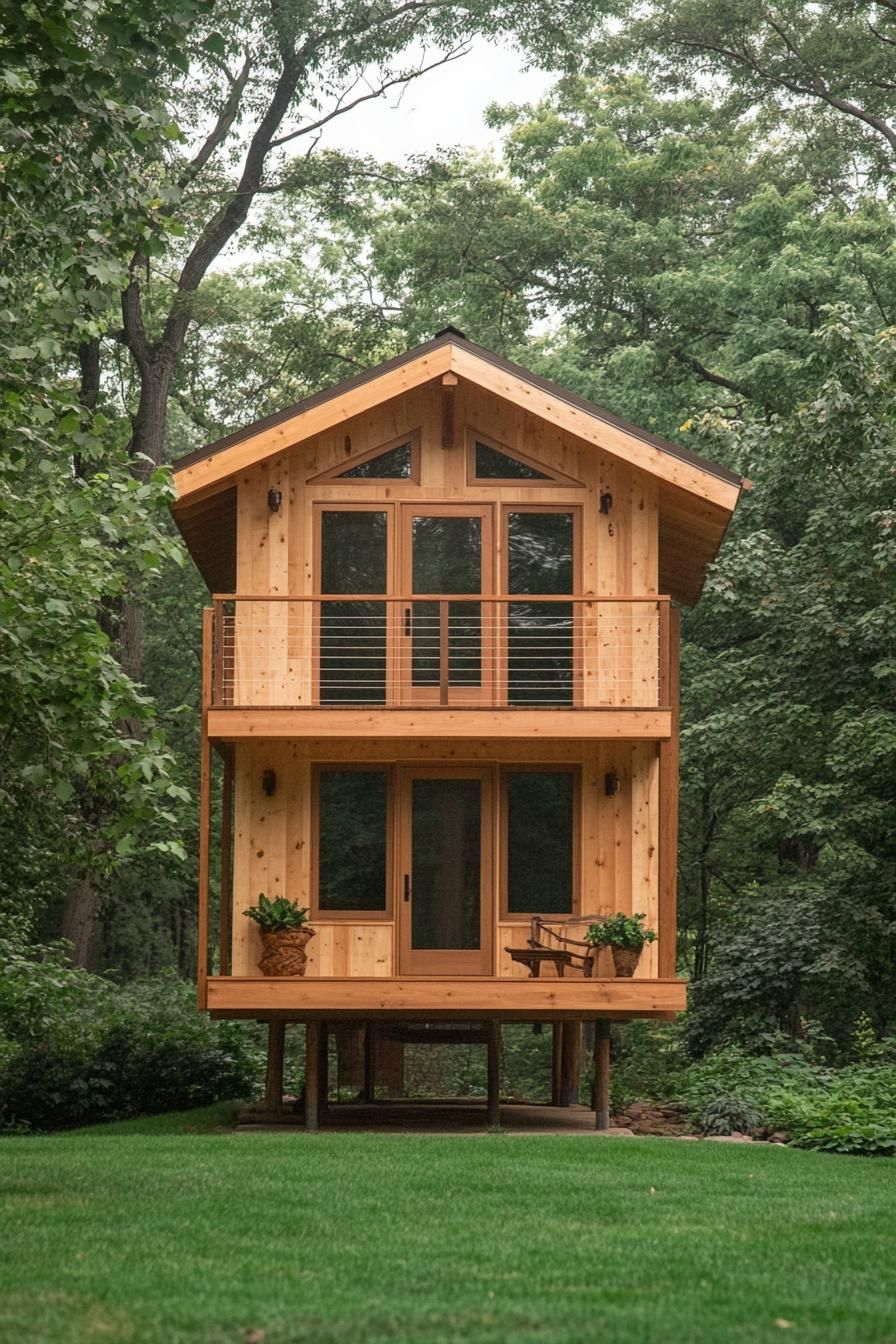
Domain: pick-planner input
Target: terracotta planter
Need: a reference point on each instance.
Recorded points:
(625, 959)
(284, 951)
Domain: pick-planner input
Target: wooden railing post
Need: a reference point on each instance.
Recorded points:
(664, 670)
(443, 653)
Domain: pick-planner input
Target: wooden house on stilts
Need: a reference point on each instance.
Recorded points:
(440, 703)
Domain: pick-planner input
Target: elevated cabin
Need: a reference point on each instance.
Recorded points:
(440, 685)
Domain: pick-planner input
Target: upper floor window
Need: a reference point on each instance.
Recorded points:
(493, 463)
(395, 464)
(398, 460)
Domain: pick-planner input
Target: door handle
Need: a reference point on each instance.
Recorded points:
(407, 886)
(407, 621)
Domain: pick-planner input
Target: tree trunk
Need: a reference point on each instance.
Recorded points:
(80, 924)
(149, 422)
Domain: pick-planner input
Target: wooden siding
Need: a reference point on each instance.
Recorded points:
(273, 841)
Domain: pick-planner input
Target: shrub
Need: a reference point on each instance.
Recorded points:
(848, 1110)
(730, 1115)
(76, 1049)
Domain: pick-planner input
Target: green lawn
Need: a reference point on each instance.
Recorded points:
(157, 1231)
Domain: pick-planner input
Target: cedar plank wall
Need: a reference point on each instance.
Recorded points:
(275, 554)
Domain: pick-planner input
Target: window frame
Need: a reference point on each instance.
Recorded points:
(320, 913)
(505, 915)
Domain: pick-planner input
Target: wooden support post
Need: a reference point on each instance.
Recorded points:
(226, 899)
(668, 825)
(368, 1091)
(556, 1057)
(205, 817)
(493, 1049)
(349, 1056)
(312, 1075)
(323, 1069)
(449, 383)
(273, 1085)
(602, 1075)
(570, 1063)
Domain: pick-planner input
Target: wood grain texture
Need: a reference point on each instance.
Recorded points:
(457, 997)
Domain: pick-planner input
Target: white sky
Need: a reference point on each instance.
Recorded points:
(443, 107)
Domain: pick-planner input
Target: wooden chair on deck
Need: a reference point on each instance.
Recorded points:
(547, 946)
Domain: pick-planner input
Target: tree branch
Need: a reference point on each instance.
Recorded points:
(220, 130)
(341, 108)
(707, 376)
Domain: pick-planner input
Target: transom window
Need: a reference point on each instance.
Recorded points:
(493, 465)
(394, 464)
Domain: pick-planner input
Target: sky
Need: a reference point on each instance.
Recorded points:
(442, 108)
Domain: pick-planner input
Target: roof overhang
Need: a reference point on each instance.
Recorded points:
(697, 496)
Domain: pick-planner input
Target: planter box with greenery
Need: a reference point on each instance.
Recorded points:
(625, 935)
(284, 935)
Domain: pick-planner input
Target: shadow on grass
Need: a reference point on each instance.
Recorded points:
(203, 1120)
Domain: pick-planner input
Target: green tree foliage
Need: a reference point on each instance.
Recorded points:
(85, 776)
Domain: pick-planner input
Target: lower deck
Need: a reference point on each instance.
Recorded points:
(443, 998)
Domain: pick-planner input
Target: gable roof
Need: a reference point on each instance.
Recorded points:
(688, 482)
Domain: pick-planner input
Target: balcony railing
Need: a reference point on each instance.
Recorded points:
(438, 651)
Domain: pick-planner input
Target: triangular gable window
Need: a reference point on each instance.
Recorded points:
(395, 464)
(492, 465)
(395, 461)
(489, 463)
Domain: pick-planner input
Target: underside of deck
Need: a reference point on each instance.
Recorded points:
(431, 998)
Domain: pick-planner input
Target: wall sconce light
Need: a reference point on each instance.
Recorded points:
(275, 499)
(606, 501)
(269, 782)
(611, 783)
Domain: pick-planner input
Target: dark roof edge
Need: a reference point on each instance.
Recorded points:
(448, 336)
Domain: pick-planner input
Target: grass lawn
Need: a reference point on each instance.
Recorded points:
(163, 1230)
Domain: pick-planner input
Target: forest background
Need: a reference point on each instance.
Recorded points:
(695, 228)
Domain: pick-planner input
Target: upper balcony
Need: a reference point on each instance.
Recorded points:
(445, 666)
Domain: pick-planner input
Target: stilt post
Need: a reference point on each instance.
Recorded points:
(323, 1099)
(570, 1063)
(368, 1091)
(273, 1083)
(556, 1061)
(312, 1075)
(602, 1075)
(493, 1050)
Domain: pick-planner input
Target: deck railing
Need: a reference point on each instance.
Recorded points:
(439, 651)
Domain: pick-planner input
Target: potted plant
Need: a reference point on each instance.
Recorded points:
(284, 935)
(625, 935)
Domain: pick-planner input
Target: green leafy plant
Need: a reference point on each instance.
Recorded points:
(277, 915)
(730, 1115)
(620, 931)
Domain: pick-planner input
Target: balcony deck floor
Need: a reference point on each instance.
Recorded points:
(231, 724)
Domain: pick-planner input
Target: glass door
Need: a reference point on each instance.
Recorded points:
(446, 645)
(445, 871)
(541, 559)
